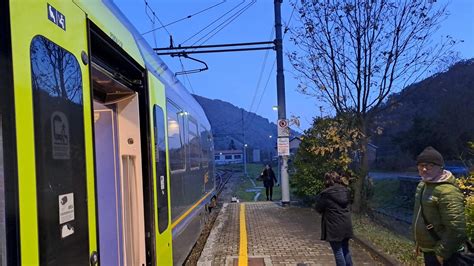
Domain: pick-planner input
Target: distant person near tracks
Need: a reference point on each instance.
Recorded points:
(439, 224)
(336, 223)
(269, 180)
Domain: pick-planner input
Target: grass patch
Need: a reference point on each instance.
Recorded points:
(241, 190)
(388, 198)
(385, 192)
(245, 184)
(398, 247)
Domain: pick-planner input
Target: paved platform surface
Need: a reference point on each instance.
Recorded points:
(275, 236)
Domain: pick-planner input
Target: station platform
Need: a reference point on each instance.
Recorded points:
(265, 233)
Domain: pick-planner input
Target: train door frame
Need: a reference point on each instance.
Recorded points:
(108, 183)
(44, 225)
(162, 247)
(9, 232)
(114, 58)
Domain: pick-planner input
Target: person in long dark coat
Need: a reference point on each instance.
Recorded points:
(269, 180)
(336, 224)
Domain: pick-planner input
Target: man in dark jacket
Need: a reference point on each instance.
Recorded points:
(336, 224)
(439, 224)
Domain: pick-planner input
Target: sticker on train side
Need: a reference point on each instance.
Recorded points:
(56, 17)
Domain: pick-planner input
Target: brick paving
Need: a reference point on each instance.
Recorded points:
(276, 236)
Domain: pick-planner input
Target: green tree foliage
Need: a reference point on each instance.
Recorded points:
(327, 146)
(467, 186)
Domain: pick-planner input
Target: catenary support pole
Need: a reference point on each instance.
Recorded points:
(285, 188)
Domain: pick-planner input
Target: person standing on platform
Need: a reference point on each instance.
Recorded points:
(336, 224)
(439, 224)
(269, 180)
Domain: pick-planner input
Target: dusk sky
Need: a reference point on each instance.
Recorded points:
(248, 79)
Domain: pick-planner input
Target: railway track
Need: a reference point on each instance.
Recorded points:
(222, 178)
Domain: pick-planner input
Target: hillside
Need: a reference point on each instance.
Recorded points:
(231, 124)
(437, 111)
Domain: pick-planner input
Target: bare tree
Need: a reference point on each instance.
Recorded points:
(352, 54)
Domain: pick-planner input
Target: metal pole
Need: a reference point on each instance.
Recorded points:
(285, 188)
(245, 159)
(245, 145)
(279, 171)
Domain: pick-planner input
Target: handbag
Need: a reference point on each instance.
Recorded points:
(464, 257)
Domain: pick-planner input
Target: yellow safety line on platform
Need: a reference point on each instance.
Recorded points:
(243, 256)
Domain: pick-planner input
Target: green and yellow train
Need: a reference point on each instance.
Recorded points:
(105, 158)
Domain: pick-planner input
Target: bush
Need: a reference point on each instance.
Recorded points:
(467, 186)
(327, 146)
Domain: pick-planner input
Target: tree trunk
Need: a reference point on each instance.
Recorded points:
(360, 200)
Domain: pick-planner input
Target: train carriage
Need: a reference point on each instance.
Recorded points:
(105, 158)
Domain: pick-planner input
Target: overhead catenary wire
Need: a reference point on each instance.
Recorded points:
(155, 16)
(227, 22)
(261, 96)
(181, 19)
(210, 24)
(270, 73)
(262, 69)
(219, 28)
(153, 20)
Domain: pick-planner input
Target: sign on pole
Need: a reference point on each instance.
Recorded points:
(283, 146)
(283, 129)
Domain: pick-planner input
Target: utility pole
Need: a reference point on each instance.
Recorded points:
(285, 188)
(244, 144)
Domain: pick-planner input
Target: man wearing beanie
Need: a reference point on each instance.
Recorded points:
(439, 224)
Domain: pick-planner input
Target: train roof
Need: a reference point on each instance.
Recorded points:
(110, 19)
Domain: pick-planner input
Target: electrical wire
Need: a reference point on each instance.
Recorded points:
(289, 21)
(181, 19)
(210, 24)
(262, 69)
(263, 93)
(155, 16)
(270, 73)
(227, 22)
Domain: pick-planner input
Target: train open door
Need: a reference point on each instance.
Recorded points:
(118, 87)
(49, 49)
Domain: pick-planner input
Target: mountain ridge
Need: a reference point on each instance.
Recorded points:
(231, 123)
(437, 111)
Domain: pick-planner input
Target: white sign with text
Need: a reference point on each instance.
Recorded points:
(283, 145)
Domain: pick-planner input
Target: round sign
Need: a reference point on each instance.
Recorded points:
(283, 123)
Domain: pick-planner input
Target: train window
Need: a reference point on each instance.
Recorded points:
(60, 154)
(194, 143)
(161, 169)
(206, 156)
(237, 156)
(175, 137)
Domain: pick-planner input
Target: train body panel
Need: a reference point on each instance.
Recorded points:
(107, 18)
(92, 130)
(45, 103)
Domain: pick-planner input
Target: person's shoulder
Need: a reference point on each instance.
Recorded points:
(447, 188)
